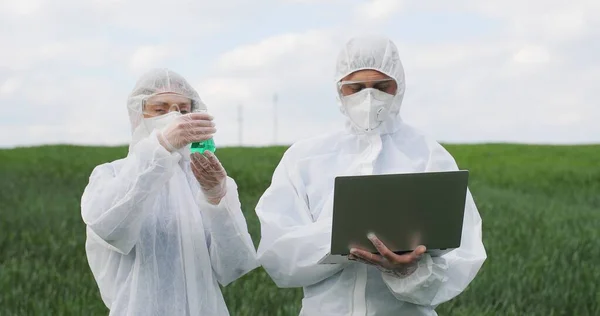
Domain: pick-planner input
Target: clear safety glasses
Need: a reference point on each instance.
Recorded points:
(161, 104)
(347, 88)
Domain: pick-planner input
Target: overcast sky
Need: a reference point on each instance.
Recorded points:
(476, 71)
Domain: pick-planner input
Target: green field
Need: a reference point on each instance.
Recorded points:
(540, 207)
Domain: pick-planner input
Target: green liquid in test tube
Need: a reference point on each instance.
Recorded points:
(201, 147)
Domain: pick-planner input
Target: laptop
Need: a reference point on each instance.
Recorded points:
(403, 210)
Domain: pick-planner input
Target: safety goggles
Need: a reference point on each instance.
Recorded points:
(162, 104)
(347, 88)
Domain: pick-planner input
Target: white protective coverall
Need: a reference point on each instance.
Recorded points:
(296, 210)
(154, 244)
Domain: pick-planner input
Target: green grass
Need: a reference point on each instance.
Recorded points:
(540, 206)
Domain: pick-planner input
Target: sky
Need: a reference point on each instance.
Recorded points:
(476, 71)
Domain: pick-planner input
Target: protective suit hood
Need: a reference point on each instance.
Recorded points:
(374, 53)
(154, 82)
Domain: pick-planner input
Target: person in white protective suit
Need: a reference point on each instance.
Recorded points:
(165, 227)
(295, 212)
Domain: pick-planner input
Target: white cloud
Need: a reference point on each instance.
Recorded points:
(532, 54)
(317, 1)
(284, 50)
(148, 57)
(69, 67)
(10, 85)
(72, 58)
(20, 8)
(548, 20)
(296, 66)
(253, 73)
(379, 9)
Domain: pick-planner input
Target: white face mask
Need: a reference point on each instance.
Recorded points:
(157, 123)
(368, 108)
(160, 122)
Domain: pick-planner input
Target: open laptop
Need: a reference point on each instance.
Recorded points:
(403, 210)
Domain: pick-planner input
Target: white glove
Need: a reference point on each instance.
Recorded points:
(211, 175)
(189, 128)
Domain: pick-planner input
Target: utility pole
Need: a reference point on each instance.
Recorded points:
(275, 119)
(240, 125)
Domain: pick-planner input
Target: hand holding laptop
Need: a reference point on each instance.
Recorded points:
(405, 210)
(387, 260)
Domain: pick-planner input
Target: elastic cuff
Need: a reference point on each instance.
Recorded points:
(215, 207)
(401, 273)
(152, 151)
(165, 143)
(223, 193)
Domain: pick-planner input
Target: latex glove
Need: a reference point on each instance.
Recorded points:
(388, 262)
(188, 128)
(211, 175)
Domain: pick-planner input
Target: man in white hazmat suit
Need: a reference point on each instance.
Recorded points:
(163, 227)
(296, 210)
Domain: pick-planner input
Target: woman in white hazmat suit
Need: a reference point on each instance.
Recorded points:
(163, 227)
(296, 210)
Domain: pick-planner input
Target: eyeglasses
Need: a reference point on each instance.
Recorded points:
(351, 87)
(161, 104)
(156, 108)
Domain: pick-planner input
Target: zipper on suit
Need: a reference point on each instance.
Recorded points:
(359, 299)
